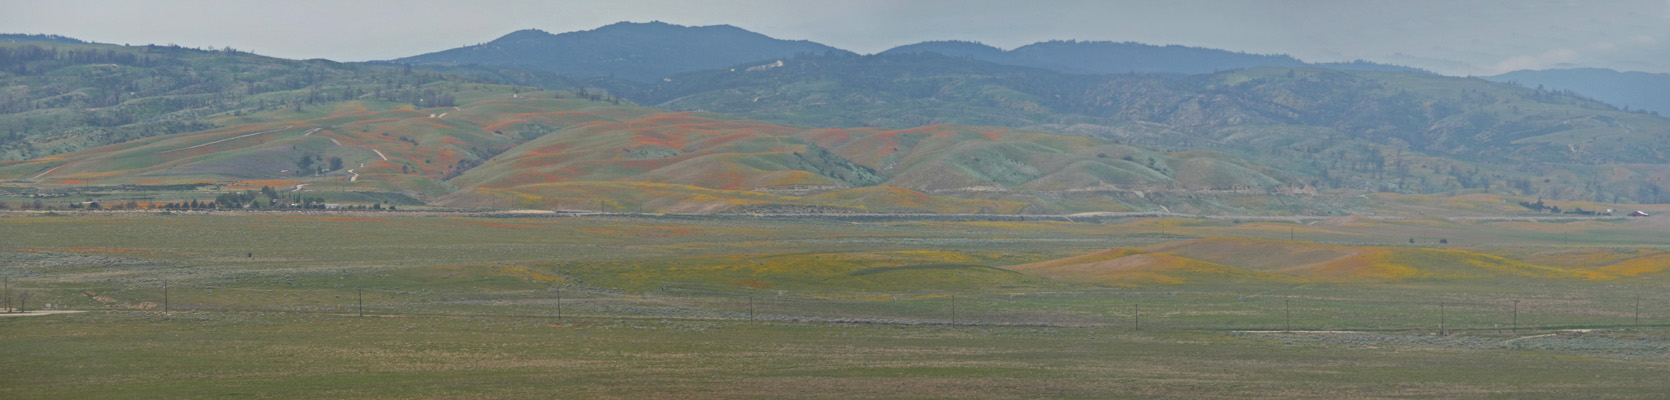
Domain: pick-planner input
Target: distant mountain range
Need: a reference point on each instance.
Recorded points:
(652, 51)
(1124, 57)
(636, 51)
(648, 52)
(1634, 90)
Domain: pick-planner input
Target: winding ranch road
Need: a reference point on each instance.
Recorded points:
(43, 173)
(223, 140)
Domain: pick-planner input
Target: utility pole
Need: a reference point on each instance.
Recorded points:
(8, 284)
(953, 310)
(164, 297)
(750, 308)
(1638, 311)
(559, 303)
(1287, 303)
(1441, 319)
(361, 299)
(1137, 315)
(1516, 315)
(1290, 234)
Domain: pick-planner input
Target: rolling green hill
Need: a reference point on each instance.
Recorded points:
(503, 147)
(61, 97)
(350, 145)
(1367, 130)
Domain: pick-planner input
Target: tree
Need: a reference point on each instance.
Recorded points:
(336, 163)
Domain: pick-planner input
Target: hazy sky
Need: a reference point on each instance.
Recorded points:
(1448, 36)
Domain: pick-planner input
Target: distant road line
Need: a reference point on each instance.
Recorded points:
(38, 176)
(333, 140)
(226, 139)
(380, 154)
(310, 131)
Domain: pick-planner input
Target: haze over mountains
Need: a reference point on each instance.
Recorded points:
(744, 122)
(655, 50)
(1124, 57)
(1634, 90)
(652, 51)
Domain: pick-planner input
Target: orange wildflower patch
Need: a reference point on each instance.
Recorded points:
(500, 126)
(659, 139)
(826, 136)
(646, 165)
(723, 139)
(993, 134)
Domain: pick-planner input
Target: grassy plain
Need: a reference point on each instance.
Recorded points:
(467, 305)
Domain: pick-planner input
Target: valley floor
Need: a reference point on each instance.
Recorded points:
(215, 354)
(383, 305)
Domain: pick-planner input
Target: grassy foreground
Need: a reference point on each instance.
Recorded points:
(206, 354)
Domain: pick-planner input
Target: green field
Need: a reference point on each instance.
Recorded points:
(377, 305)
(278, 355)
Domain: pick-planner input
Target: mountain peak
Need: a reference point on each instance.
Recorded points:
(954, 48)
(642, 51)
(525, 34)
(631, 25)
